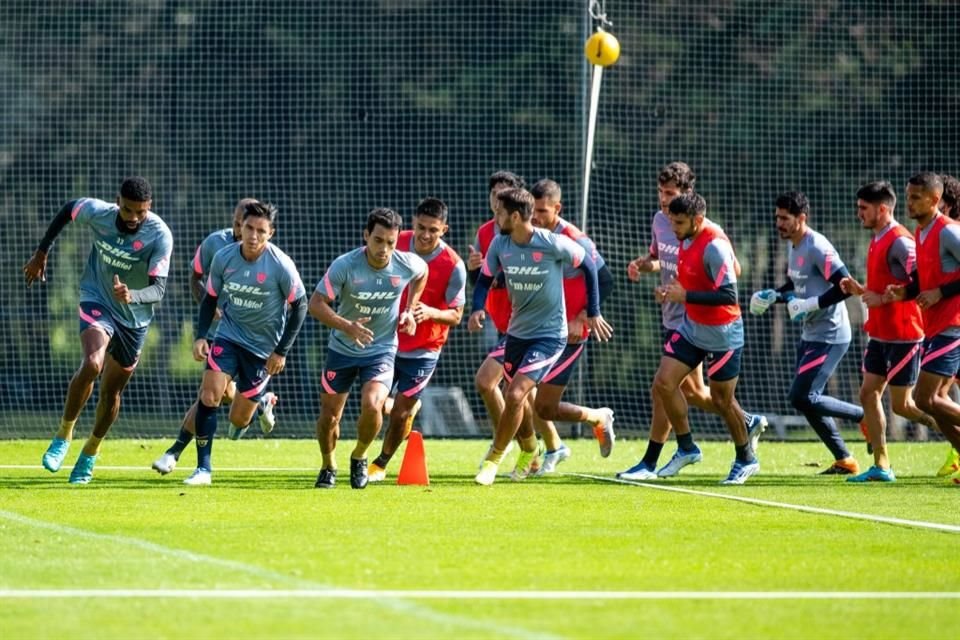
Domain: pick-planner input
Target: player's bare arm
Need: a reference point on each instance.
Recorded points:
(321, 310)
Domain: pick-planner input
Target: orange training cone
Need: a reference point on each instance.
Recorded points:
(413, 469)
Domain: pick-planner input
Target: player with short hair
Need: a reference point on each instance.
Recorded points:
(935, 285)
(814, 297)
(124, 278)
(369, 282)
(532, 263)
(440, 307)
(894, 329)
(199, 272)
(548, 407)
(711, 330)
(262, 305)
(490, 373)
(674, 179)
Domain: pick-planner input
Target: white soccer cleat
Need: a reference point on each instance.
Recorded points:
(376, 473)
(199, 478)
(553, 458)
(756, 426)
(267, 420)
(164, 464)
(487, 474)
(603, 432)
(506, 452)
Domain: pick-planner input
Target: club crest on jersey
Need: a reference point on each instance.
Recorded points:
(261, 277)
(395, 281)
(95, 313)
(537, 256)
(508, 366)
(217, 350)
(137, 245)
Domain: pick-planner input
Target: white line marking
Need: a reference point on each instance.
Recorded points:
(418, 594)
(919, 524)
(307, 586)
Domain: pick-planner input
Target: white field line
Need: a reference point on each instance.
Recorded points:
(400, 604)
(419, 594)
(919, 524)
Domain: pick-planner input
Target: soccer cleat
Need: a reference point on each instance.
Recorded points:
(55, 453)
(679, 460)
(199, 478)
(326, 479)
(950, 467)
(866, 436)
(756, 426)
(164, 464)
(740, 471)
(603, 432)
(408, 423)
(376, 473)
(639, 471)
(874, 474)
(525, 463)
(553, 458)
(844, 467)
(234, 432)
(83, 469)
(267, 419)
(487, 474)
(358, 473)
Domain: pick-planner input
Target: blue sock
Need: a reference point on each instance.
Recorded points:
(206, 428)
(181, 443)
(685, 442)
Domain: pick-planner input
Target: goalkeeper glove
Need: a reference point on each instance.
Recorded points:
(761, 301)
(798, 308)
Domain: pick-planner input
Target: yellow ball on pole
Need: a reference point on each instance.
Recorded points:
(602, 49)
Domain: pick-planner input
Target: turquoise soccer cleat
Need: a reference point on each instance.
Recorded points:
(874, 474)
(83, 470)
(55, 453)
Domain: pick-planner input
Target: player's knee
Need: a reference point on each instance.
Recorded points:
(868, 396)
(209, 398)
(91, 366)
(661, 386)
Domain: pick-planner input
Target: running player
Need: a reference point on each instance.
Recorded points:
(814, 297)
(531, 260)
(125, 277)
(894, 329)
(440, 307)
(950, 207)
(363, 342)
(262, 305)
(711, 330)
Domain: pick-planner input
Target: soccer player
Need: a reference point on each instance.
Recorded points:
(950, 206)
(363, 342)
(200, 270)
(675, 179)
(262, 305)
(894, 329)
(532, 262)
(440, 307)
(711, 330)
(490, 373)
(547, 405)
(124, 278)
(935, 284)
(814, 297)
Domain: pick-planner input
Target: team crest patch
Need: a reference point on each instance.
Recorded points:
(331, 375)
(217, 350)
(261, 277)
(95, 313)
(137, 245)
(508, 366)
(395, 281)
(537, 256)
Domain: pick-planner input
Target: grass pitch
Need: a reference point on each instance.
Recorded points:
(262, 553)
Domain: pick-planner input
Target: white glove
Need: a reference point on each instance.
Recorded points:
(798, 308)
(761, 301)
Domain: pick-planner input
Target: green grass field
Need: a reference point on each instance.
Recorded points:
(134, 554)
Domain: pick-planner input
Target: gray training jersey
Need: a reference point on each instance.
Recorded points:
(665, 247)
(366, 292)
(534, 278)
(134, 257)
(809, 266)
(718, 263)
(253, 296)
(203, 258)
